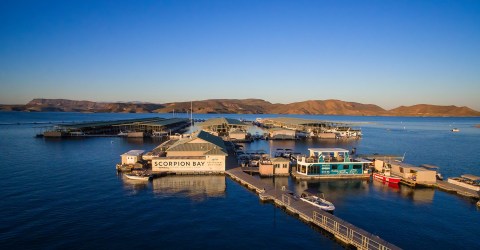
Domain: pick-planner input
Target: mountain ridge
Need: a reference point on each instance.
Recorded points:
(241, 106)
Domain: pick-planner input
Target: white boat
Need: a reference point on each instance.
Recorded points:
(455, 130)
(122, 133)
(138, 177)
(318, 202)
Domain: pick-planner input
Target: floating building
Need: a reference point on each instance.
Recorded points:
(308, 127)
(275, 166)
(130, 127)
(229, 129)
(331, 163)
(202, 153)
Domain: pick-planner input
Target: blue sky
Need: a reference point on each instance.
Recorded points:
(385, 52)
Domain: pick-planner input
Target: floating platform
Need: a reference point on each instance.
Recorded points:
(449, 187)
(340, 229)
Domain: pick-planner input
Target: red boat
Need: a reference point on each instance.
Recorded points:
(389, 179)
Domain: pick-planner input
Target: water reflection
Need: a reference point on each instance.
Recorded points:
(420, 195)
(333, 189)
(386, 186)
(194, 187)
(133, 186)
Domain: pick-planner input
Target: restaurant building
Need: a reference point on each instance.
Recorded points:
(202, 153)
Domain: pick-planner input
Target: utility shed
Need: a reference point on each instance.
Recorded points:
(132, 156)
(276, 166)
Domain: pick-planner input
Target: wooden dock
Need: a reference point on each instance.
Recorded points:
(342, 230)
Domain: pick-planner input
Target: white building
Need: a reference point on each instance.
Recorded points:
(201, 153)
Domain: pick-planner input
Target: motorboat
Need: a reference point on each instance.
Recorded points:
(317, 201)
(455, 130)
(139, 176)
(386, 176)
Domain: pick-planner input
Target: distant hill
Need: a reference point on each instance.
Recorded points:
(433, 110)
(240, 106)
(328, 107)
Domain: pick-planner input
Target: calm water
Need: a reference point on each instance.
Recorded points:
(66, 193)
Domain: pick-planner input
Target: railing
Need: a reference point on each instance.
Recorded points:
(355, 238)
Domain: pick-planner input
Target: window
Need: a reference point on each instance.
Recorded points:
(334, 167)
(357, 167)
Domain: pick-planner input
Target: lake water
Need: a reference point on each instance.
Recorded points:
(65, 193)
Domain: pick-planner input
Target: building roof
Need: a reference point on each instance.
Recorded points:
(327, 150)
(280, 159)
(280, 129)
(106, 123)
(220, 121)
(412, 167)
(211, 142)
(299, 121)
(166, 122)
(134, 152)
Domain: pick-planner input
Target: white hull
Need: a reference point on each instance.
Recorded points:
(136, 177)
(320, 203)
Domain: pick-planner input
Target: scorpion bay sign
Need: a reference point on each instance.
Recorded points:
(188, 165)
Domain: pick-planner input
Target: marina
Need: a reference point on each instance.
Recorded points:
(133, 128)
(341, 230)
(353, 199)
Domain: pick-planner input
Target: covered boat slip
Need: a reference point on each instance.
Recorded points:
(143, 125)
(331, 163)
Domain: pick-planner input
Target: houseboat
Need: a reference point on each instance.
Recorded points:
(331, 163)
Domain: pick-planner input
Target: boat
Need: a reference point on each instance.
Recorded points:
(385, 175)
(386, 178)
(139, 176)
(317, 201)
(455, 130)
(330, 163)
(122, 133)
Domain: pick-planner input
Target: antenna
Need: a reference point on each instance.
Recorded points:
(191, 113)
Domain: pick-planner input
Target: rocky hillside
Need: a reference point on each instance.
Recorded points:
(329, 107)
(243, 106)
(63, 105)
(220, 106)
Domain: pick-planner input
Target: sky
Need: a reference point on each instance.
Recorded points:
(383, 52)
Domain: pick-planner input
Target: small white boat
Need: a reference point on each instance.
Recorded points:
(455, 130)
(122, 133)
(138, 177)
(318, 202)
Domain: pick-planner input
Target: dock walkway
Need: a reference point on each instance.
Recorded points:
(341, 229)
(449, 187)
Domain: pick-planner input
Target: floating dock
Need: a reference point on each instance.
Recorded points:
(342, 230)
(449, 187)
(129, 128)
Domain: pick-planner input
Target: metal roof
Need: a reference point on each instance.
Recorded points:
(327, 150)
(105, 123)
(299, 121)
(184, 145)
(220, 121)
(166, 122)
(134, 152)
